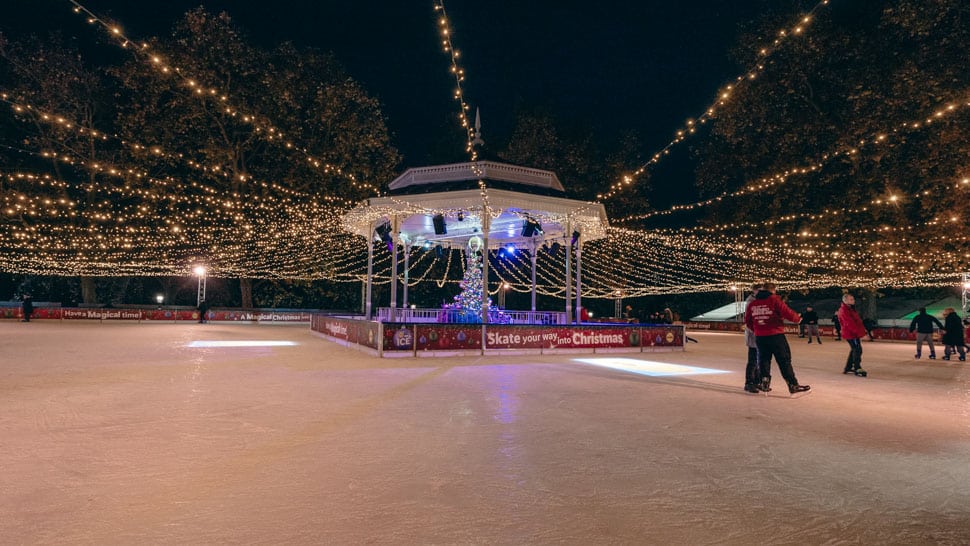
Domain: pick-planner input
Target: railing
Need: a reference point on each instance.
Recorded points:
(445, 316)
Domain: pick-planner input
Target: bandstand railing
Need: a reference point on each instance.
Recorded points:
(451, 316)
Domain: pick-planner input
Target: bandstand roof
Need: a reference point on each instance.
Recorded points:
(462, 193)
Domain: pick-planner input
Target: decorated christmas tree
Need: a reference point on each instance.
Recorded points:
(469, 299)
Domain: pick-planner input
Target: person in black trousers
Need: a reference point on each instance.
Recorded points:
(27, 307)
(923, 326)
(810, 320)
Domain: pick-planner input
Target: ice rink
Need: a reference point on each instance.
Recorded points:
(133, 434)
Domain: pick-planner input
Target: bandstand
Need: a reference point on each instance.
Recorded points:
(478, 208)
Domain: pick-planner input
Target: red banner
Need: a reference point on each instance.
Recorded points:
(441, 337)
(101, 314)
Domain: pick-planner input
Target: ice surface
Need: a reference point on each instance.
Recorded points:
(126, 434)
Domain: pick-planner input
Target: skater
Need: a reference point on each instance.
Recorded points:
(923, 326)
(766, 315)
(810, 321)
(203, 309)
(869, 324)
(752, 372)
(966, 334)
(853, 330)
(27, 307)
(838, 326)
(953, 338)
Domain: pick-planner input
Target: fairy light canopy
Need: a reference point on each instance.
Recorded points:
(448, 205)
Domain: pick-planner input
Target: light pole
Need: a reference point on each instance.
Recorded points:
(738, 296)
(501, 294)
(159, 298)
(200, 271)
(966, 293)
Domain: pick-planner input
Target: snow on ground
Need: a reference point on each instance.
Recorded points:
(124, 433)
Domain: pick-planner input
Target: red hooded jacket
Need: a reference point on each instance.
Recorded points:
(852, 326)
(766, 315)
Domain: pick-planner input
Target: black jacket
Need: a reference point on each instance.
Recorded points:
(954, 330)
(809, 317)
(923, 323)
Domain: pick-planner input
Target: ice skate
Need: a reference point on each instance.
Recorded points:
(765, 385)
(753, 389)
(917, 356)
(932, 357)
(860, 372)
(946, 357)
(794, 390)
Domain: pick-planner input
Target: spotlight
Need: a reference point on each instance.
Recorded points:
(427, 245)
(575, 238)
(383, 233)
(530, 228)
(439, 224)
(510, 250)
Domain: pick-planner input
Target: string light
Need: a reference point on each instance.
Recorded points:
(459, 73)
(727, 93)
(875, 143)
(265, 130)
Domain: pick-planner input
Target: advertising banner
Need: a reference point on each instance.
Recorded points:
(230, 315)
(441, 337)
(662, 336)
(101, 314)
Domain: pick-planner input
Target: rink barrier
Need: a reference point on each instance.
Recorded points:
(391, 339)
(134, 314)
(894, 331)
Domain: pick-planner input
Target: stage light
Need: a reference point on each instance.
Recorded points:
(427, 245)
(383, 233)
(439, 225)
(530, 228)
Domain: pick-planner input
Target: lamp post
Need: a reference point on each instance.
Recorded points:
(966, 293)
(159, 298)
(501, 294)
(738, 296)
(200, 271)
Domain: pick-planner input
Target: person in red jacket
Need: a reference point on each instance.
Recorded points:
(853, 330)
(766, 316)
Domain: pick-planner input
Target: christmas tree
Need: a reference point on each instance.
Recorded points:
(469, 300)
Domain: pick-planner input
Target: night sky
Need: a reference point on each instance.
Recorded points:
(615, 66)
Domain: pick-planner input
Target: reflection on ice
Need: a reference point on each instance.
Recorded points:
(241, 343)
(647, 367)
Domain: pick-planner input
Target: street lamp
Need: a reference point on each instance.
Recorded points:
(159, 298)
(738, 297)
(501, 294)
(200, 271)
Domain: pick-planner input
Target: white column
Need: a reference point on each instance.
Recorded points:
(534, 248)
(370, 274)
(579, 277)
(394, 245)
(407, 256)
(569, 272)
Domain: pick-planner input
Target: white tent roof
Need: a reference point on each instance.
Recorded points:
(467, 212)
